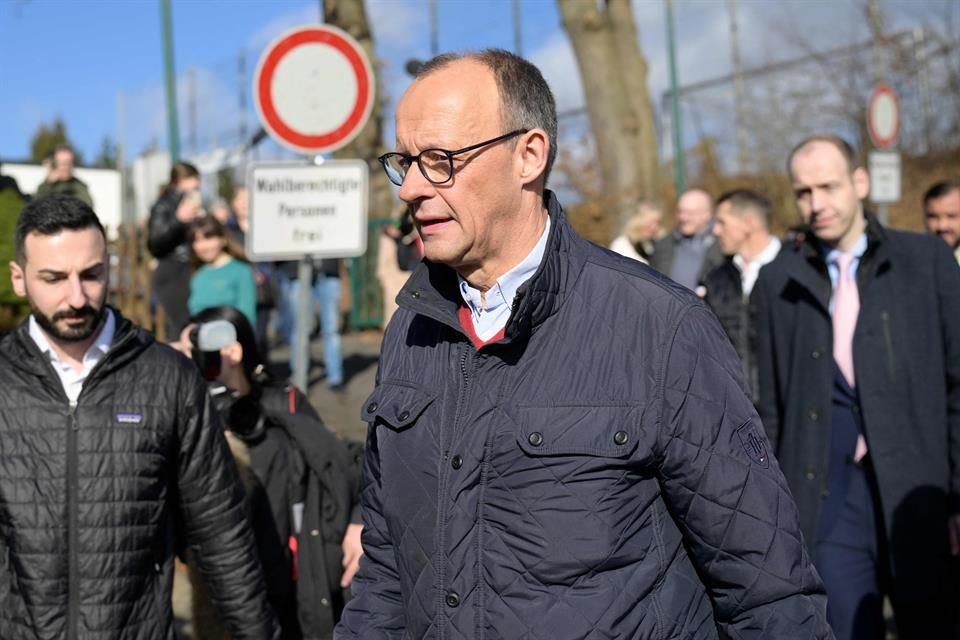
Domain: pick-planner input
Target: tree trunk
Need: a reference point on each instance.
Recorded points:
(351, 16)
(614, 74)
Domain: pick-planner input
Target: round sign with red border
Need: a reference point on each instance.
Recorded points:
(314, 89)
(883, 116)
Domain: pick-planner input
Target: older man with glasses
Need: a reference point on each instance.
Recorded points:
(559, 443)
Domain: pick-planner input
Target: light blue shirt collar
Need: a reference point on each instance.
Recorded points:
(491, 312)
(859, 248)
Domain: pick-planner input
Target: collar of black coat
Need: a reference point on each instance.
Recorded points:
(433, 291)
(816, 278)
(814, 250)
(22, 353)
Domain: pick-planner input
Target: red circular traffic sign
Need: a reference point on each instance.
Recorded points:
(883, 116)
(314, 89)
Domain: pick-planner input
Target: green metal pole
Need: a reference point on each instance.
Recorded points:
(679, 161)
(173, 129)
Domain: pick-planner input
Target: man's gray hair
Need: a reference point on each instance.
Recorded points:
(525, 97)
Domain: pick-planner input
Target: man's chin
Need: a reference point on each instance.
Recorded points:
(66, 331)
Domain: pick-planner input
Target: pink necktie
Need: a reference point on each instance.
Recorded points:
(846, 308)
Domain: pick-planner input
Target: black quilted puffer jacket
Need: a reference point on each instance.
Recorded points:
(598, 473)
(89, 494)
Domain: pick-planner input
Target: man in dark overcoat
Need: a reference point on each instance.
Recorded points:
(858, 350)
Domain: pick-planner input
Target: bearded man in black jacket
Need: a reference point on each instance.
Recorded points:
(107, 440)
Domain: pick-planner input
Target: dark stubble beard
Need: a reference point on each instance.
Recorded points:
(92, 317)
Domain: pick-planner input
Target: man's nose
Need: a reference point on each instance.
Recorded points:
(76, 296)
(817, 200)
(415, 186)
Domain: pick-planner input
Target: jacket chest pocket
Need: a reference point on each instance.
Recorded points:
(396, 405)
(404, 447)
(593, 430)
(587, 449)
(571, 477)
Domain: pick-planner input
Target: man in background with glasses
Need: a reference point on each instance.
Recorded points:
(559, 444)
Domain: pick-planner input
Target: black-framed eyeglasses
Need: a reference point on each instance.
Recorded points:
(436, 165)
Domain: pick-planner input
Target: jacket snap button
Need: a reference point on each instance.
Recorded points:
(403, 415)
(815, 355)
(814, 415)
(620, 437)
(415, 295)
(314, 532)
(452, 599)
(535, 439)
(324, 602)
(372, 407)
(457, 462)
(811, 475)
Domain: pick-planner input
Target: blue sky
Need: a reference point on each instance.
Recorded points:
(73, 58)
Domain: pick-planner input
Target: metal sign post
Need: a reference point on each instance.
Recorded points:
(314, 91)
(301, 346)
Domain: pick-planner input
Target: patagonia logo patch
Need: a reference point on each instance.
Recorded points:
(754, 444)
(129, 418)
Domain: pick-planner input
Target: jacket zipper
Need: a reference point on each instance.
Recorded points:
(444, 476)
(73, 591)
(73, 596)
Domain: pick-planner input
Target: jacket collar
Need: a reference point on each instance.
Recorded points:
(432, 290)
(21, 352)
(815, 277)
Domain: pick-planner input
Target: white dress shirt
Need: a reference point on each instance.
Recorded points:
(71, 379)
(750, 270)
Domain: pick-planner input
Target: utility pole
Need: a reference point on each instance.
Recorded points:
(173, 128)
(875, 20)
(739, 89)
(125, 210)
(242, 94)
(679, 161)
(434, 36)
(192, 108)
(923, 78)
(517, 29)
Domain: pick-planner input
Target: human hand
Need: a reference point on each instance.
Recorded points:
(352, 550)
(182, 343)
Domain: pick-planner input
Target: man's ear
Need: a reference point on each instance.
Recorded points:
(17, 279)
(861, 182)
(533, 148)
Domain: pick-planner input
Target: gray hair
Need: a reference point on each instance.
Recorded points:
(525, 97)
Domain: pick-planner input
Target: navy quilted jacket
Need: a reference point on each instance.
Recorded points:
(597, 473)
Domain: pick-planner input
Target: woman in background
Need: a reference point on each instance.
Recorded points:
(170, 218)
(638, 235)
(222, 277)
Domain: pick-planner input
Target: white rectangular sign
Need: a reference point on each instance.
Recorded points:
(307, 210)
(884, 177)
